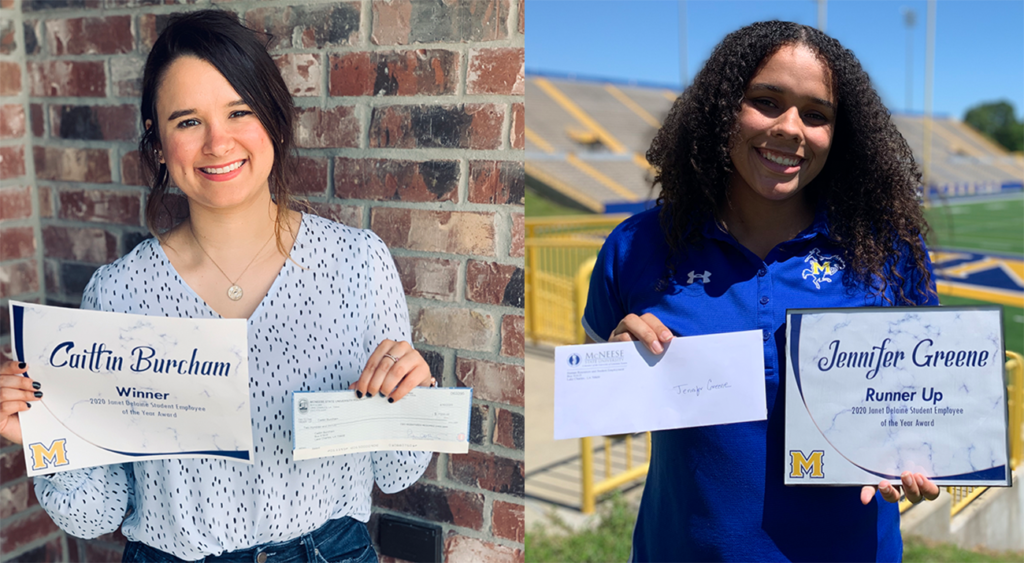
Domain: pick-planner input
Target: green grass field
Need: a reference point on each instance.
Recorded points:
(994, 226)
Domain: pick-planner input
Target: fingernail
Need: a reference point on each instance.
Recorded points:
(666, 335)
(656, 347)
(36, 385)
(21, 365)
(381, 393)
(38, 393)
(29, 405)
(359, 394)
(390, 400)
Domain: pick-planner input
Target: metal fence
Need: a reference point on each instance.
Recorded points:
(560, 255)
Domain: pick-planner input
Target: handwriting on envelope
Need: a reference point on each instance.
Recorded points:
(621, 387)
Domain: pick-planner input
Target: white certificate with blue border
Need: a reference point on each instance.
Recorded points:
(328, 423)
(121, 388)
(874, 392)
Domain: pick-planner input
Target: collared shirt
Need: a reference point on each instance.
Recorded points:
(716, 492)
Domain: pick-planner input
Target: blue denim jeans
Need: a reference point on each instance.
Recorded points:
(338, 541)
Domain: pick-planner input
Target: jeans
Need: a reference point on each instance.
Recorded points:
(338, 541)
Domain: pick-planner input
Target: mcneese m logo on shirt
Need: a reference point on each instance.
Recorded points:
(822, 267)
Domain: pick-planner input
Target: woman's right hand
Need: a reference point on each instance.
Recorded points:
(645, 328)
(16, 391)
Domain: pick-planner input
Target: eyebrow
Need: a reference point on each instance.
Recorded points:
(774, 88)
(184, 112)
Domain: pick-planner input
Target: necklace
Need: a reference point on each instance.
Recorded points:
(234, 292)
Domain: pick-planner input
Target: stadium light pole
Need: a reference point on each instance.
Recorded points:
(929, 76)
(909, 19)
(822, 14)
(683, 71)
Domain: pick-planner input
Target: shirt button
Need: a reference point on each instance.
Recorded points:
(762, 272)
(764, 299)
(767, 334)
(262, 557)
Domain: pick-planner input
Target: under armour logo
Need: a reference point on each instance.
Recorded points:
(704, 278)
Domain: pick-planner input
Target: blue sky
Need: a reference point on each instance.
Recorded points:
(979, 53)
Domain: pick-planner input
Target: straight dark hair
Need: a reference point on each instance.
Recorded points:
(217, 37)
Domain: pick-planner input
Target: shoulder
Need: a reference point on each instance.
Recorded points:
(140, 261)
(325, 235)
(638, 238)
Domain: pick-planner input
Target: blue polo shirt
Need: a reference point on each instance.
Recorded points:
(716, 493)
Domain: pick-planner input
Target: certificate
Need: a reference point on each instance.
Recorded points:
(337, 422)
(119, 388)
(621, 387)
(874, 392)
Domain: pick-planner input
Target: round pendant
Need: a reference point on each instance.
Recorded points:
(234, 293)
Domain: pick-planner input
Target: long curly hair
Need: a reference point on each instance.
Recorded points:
(868, 186)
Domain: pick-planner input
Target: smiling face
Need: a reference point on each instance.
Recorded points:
(785, 122)
(215, 148)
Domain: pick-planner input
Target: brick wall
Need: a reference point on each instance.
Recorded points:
(410, 123)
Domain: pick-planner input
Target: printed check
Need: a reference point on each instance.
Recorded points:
(621, 387)
(120, 388)
(331, 423)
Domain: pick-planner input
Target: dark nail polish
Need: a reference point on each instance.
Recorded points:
(36, 385)
(390, 400)
(29, 405)
(359, 394)
(38, 393)
(21, 365)
(381, 393)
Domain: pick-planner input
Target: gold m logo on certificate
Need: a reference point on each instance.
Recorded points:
(874, 392)
(122, 388)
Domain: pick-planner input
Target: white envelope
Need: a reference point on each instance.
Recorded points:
(621, 387)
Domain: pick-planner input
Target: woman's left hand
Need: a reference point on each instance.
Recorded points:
(917, 486)
(393, 370)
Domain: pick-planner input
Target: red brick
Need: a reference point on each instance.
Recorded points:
(432, 278)
(396, 180)
(7, 4)
(131, 170)
(491, 381)
(52, 550)
(468, 126)
(36, 117)
(8, 42)
(301, 73)
(462, 548)
(478, 417)
(507, 521)
(67, 78)
(352, 74)
(12, 162)
(17, 242)
(497, 284)
(32, 35)
(425, 72)
(522, 17)
(95, 246)
(308, 27)
(487, 471)
(126, 75)
(17, 278)
(499, 182)
(12, 461)
(518, 246)
(465, 329)
(351, 215)
(90, 36)
(11, 84)
(403, 22)
(517, 133)
(45, 202)
(454, 232)
(108, 123)
(320, 128)
(15, 203)
(16, 498)
(311, 176)
(12, 121)
(509, 429)
(72, 165)
(95, 551)
(496, 71)
(439, 504)
(512, 336)
(100, 206)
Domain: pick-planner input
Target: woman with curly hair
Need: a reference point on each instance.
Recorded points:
(779, 159)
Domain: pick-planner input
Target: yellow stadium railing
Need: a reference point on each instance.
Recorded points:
(560, 255)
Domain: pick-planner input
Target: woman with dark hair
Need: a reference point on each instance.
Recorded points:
(780, 159)
(324, 305)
